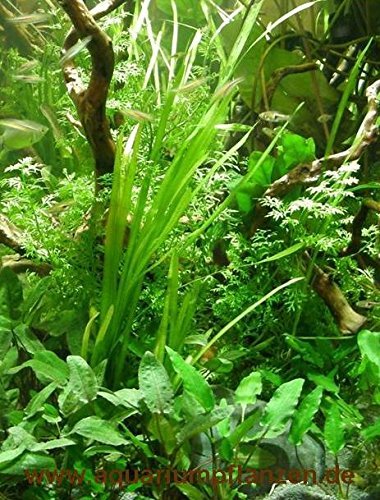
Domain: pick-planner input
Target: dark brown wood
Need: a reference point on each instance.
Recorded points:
(348, 320)
(91, 101)
(10, 235)
(20, 265)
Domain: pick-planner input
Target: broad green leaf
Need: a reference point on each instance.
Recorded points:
(47, 366)
(53, 444)
(193, 381)
(369, 345)
(28, 339)
(294, 150)
(272, 377)
(244, 201)
(18, 436)
(224, 427)
(82, 380)
(9, 455)
(68, 401)
(130, 398)
(28, 462)
(96, 429)
(51, 414)
(308, 353)
(242, 430)
(81, 388)
(192, 492)
(326, 382)
(262, 176)
(333, 430)
(219, 365)
(37, 402)
(281, 407)
(226, 451)
(202, 423)
(187, 405)
(303, 419)
(154, 384)
(248, 389)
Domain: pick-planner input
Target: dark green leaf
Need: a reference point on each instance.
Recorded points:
(372, 431)
(11, 295)
(28, 462)
(326, 382)
(37, 402)
(47, 367)
(202, 423)
(243, 429)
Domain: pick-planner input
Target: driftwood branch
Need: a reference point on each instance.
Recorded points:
(20, 265)
(10, 235)
(14, 238)
(307, 173)
(90, 101)
(347, 319)
(281, 73)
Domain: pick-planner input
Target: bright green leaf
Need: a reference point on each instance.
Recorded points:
(281, 407)
(326, 382)
(333, 430)
(193, 381)
(248, 389)
(303, 419)
(53, 444)
(82, 380)
(369, 345)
